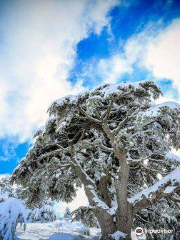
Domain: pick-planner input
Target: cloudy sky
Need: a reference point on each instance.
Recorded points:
(51, 48)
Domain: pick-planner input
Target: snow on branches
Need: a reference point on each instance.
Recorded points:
(114, 140)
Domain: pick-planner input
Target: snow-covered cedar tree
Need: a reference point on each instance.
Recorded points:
(115, 141)
(12, 212)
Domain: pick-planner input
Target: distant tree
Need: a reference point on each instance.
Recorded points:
(67, 214)
(5, 187)
(113, 140)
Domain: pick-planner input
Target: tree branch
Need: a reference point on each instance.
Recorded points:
(89, 184)
(49, 154)
(123, 122)
(166, 187)
(106, 149)
(106, 114)
(94, 120)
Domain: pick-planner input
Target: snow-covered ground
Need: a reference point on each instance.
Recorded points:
(58, 230)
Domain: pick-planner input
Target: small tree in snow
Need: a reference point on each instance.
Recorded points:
(12, 212)
(113, 140)
(67, 214)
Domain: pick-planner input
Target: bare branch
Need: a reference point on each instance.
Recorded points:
(86, 180)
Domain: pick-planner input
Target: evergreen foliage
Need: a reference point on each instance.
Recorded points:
(115, 141)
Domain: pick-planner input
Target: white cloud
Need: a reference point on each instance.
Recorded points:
(37, 51)
(132, 51)
(163, 55)
(111, 69)
(156, 49)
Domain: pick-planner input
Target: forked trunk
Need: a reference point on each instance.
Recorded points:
(109, 227)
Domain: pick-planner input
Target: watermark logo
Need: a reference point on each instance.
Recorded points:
(139, 231)
(166, 231)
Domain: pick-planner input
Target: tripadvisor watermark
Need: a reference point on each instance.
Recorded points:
(139, 231)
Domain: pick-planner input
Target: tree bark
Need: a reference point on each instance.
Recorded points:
(107, 224)
(106, 220)
(124, 223)
(103, 188)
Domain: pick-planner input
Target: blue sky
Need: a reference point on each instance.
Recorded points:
(49, 49)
